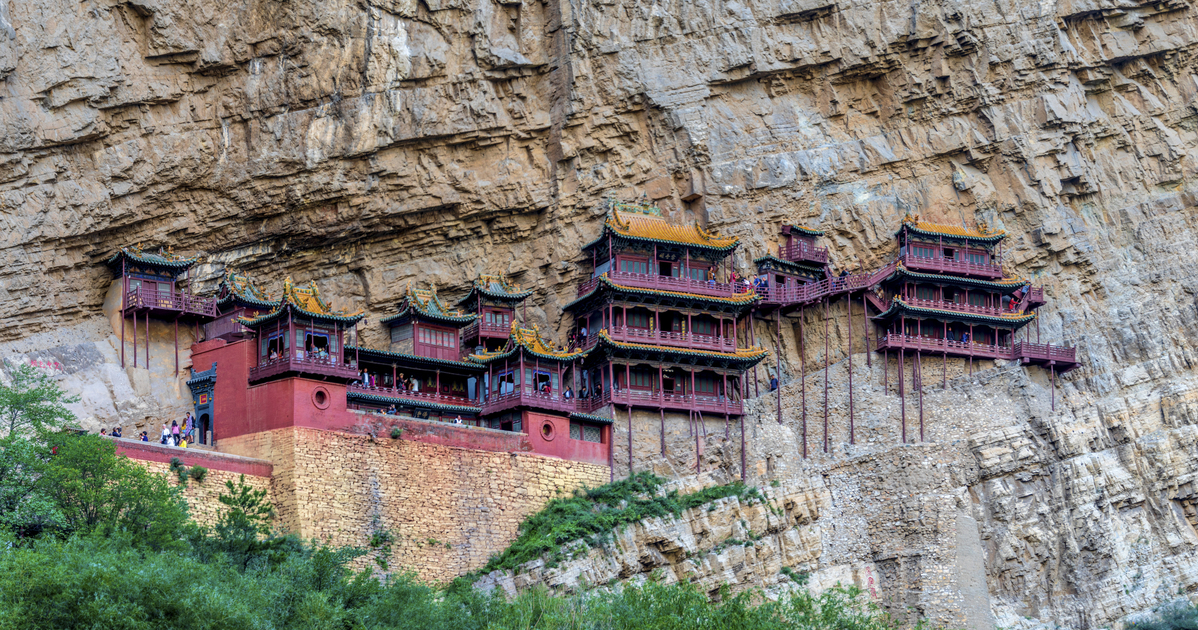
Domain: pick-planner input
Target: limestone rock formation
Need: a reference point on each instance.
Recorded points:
(369, 144)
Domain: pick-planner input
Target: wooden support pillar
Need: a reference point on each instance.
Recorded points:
(135, 349)
(698, 444)
(743, 461)
(852, 428)
(147, 339)
(1052, 375)
(919, 371)
(803, 378)
(176, 345)
(886, 372)
(902, 392)
(663, 430)
(726, 429)
(971, 349)
(827, 360)
(629, 439)
(865, 324)
(778, 356)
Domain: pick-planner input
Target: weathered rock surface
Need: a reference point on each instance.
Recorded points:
(370, 144)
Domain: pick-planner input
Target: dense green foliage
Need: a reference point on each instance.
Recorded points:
(1175, 616)
(89, 539)
(32, 402)
(99, 582)
(590, 516)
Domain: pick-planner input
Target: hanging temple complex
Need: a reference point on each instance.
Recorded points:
(662, 325)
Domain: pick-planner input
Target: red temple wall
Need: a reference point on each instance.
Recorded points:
(558, 443)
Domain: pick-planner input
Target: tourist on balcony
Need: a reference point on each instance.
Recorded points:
(457, 420)
(584, 334)
(569, 393)
(274, 355)
(964, 337)
(392, 411)
(545, 388)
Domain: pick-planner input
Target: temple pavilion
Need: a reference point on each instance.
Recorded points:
(661, 317)
(423, 373)
(493, 300)
(150, 288)
(301, 335)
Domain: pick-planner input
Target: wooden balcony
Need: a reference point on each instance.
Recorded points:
(307, 367)
(935, 346)
(169, 304)
(665, 400)
(666, 283)
(1065, 358)
(958, 307)
(486, 330)
(813, 292)
(554, 401)
(951, 266)
(672, 339)
(802, 252)
(413, 396)
(225, 327)
(1035, 297)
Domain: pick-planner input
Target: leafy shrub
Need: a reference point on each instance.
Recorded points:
(396, 432)
(591, 516)
(1172, 616)
(199, 473)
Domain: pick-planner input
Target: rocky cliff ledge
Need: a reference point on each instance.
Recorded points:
(369, 144)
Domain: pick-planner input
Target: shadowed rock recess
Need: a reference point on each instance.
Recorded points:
(367, 145)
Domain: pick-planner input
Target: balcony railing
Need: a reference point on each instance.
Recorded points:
(224, 326)
(892, 341)
(1036, 295)
(306, 366)
(487, 330)
(665, 400)
(958, 307)
(667, 283)
(415, 396)
(170, 302)
(802, 252)
(665, 338)
(553, 401)
(1044, 352)
(950, 265)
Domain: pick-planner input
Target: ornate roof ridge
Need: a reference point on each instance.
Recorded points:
(981, 233)
(242, 287)
(752, 352)
(1010, 282)
(164, 257)
(530, 339)
(307, 301)
(1013, 317)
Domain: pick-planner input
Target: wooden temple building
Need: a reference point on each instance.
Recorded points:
(662, 327)
(150, 289)
(661, 319)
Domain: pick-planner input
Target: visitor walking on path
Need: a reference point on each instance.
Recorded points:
(174, 433)
(166, 434)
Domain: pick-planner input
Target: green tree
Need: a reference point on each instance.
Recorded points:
(26, 509)
(32, 401)
(97, 490)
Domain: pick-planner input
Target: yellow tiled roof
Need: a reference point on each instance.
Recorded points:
(308, 299)
(983, 231)
(738, 298)
(654, 227)
(530, 339)
(427, 300)
(741, 353)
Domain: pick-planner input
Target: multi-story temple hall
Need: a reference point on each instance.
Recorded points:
(662, 339)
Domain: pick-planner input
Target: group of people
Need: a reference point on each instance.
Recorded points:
(404, 383)
(175, 435)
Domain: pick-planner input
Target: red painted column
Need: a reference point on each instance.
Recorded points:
(778, 368)
(827, 361)
(852, 428)
(134, 338)
(176, 344)
(147, 339)
(865, 324)
(803, 376)
(902, 392)
(919, 369)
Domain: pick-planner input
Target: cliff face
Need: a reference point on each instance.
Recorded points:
(368, 145)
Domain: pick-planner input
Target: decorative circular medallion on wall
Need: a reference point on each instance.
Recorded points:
(547, 431)
(321, 398)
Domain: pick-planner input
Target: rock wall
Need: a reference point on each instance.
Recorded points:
(448, 509)
(368, 145)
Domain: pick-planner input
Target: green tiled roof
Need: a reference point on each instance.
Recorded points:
(408, 402)
(425, 304)
(741, 299)
(1005, 286)
(899, 307)
(494, 287)
(586, 417)
(389, 356)
(162, 259)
